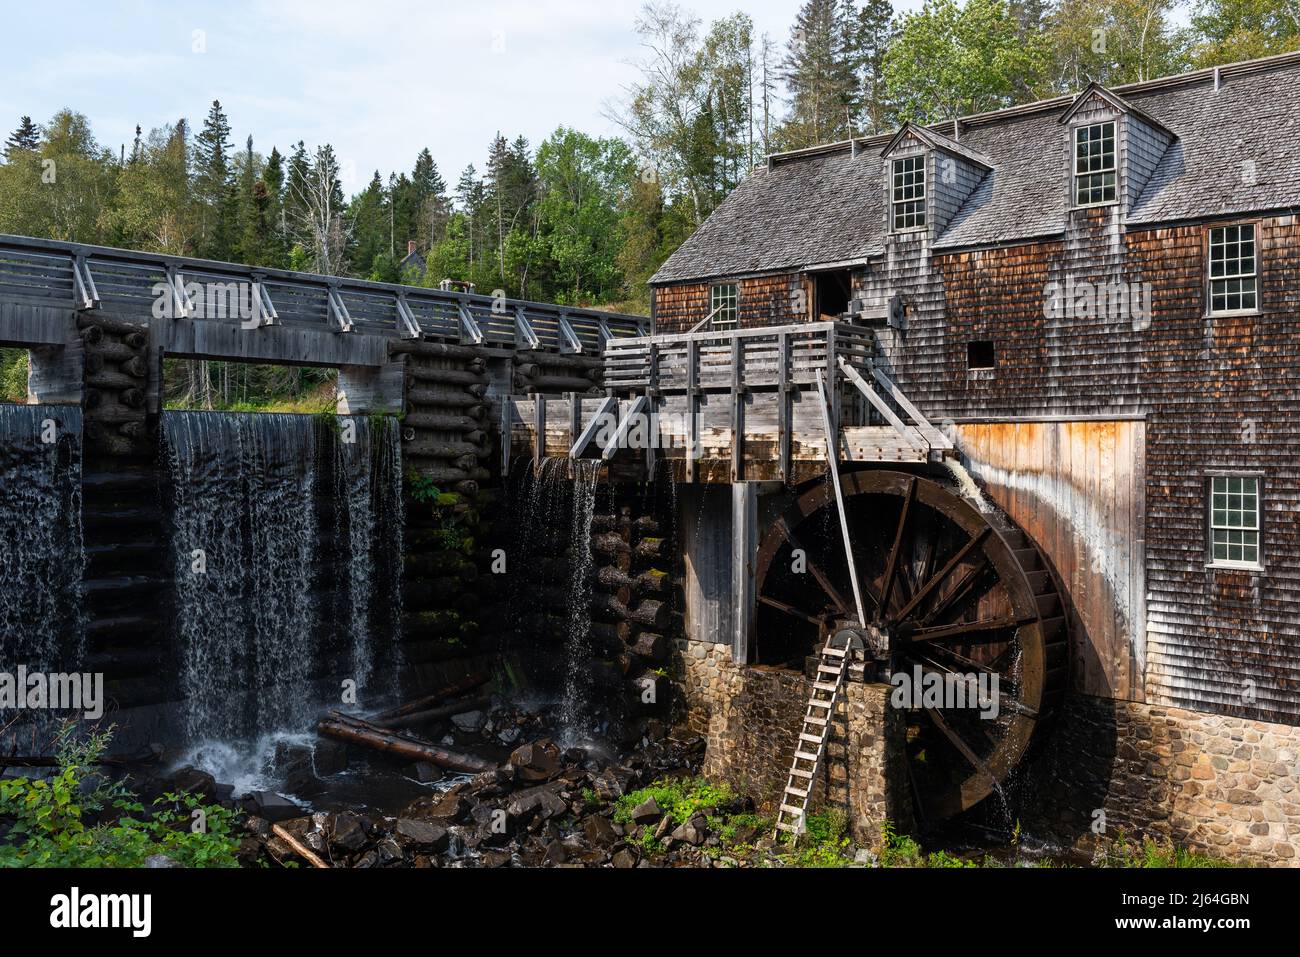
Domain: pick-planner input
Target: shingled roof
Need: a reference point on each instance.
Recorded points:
(1235, 152)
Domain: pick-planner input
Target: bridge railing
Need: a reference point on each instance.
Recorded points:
(142, 285)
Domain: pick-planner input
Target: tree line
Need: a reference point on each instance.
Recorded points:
(583, 219)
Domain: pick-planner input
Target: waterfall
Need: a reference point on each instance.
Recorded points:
(276, 589)
(244, 537)
(41, 551)
(575, 710)
(368, 503)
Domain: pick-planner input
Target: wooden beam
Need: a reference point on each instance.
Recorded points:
(571, 341)
(469, 327)
(833, 464)
(783, 401)
(584, 440)
(524, 333)
(539, 429)
(620, 433)
(407, 326)
(881, 406)
(933, 435)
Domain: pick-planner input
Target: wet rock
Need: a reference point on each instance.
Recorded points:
(665, 825)
(271, 806)
(556, 853)
(422, 835)
(257, 826)
(536, 761)
(491, 783)
(623, 858)
(450, 807)
(368, 859)
(330, 757)
(599, 831)
(389, 851)
(348, 834)
(538, 801)
(647, 812)
(509, 735)
(495, 858)
(303, 782)
(692, 833)
(189, 780)
(426, 773)
(468, 720)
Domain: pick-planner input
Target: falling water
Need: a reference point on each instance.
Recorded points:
(575, 710)
(244, 539)
(41, 553)
(368, 502)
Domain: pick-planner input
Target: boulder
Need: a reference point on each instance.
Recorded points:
(189, 780)
(623, 858)
(329, 756)
(271, 806)
(348, 833)
(469, 720)
(426, 773)
(647, 812)
(599, 831)
(424, 836)
(494, 858)
(536, 761)
(539, 801)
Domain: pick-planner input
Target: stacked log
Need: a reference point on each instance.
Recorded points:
(117, 384)
(446, 433)
(551, 373)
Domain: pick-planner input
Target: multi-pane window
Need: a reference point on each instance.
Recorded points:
(1234, 520)
(722, 304)
(1094, 164)
(909, 192)
(1233, 269)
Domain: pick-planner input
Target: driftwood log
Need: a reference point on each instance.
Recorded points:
(468, 683)
(399, 744)
(299, 848)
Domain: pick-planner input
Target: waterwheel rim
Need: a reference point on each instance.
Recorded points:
(957, 598)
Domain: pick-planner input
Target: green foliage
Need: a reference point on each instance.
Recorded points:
(679, 798)
(1124, 852)
(824, 843)
(48, 826)
(13, 375)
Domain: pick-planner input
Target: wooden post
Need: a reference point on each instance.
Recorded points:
(692, 408)
(539, 430)
(737, 411)
(783, 410)
(744, 546)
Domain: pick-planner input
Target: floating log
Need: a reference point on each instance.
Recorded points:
(468, 683)
(434, 714)
(406, 747)
(299, 848)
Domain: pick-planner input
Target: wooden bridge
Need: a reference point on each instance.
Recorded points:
(198, 308)
(732, 405)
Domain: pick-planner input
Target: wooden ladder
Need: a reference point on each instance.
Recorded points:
(810, 747)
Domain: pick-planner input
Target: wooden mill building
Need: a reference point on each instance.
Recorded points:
(1095, 298)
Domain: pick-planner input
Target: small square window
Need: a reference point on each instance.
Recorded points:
(1233, 269)
(1095, 178)
(722, 305)
(908, 192)
(1234, 507)
(980, 354)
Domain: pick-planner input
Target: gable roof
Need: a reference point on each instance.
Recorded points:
(937, 141)
(1116, 102)
(1235, 126)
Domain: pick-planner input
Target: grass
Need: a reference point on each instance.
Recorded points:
(681, 799)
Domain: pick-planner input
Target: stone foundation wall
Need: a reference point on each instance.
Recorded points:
(1227, 786)
(751, 716)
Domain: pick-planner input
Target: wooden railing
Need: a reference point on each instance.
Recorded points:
(735, 359)
(48, 272)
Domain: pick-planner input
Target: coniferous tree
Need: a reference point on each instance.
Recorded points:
(26, 137)
(214, 186)
(818, 72)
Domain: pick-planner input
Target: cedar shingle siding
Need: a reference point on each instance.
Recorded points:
(1219, 393)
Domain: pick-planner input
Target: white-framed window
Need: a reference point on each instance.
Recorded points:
(1234, 509)
(908, 192)
(722, 304)
(1233, 269)
(1095, 178)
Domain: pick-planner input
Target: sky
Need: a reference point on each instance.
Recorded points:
(379, 79)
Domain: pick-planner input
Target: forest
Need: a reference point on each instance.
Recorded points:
(580, 218)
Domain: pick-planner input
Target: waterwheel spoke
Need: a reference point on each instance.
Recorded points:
(891, 567)
(791, 610)
(957, 742)
(1005, 702)
(943, 573)
(822, 579)
(960, 629)
(962, 592)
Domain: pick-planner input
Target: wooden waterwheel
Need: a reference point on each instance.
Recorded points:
(948, 590)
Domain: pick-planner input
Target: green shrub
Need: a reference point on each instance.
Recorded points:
(47, 826)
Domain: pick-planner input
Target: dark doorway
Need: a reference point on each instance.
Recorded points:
(832, 290)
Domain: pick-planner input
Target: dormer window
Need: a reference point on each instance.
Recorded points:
(1094, 164)
(909, 192)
